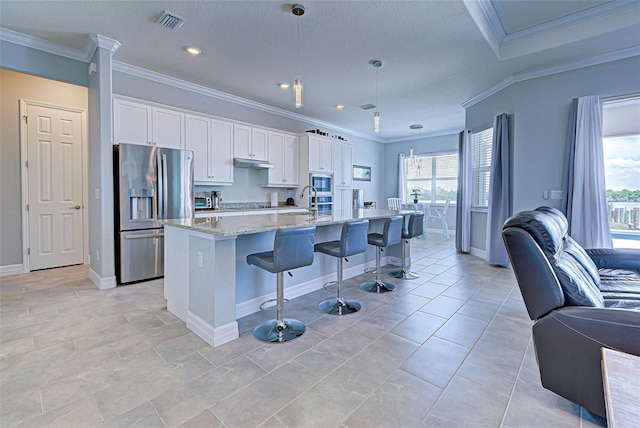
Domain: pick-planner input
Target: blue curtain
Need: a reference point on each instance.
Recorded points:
(498, 211)
(567, 200)
(465, 184)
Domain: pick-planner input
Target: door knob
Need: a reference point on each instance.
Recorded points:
(77, 207)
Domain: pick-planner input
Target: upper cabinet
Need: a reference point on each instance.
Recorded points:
(140, 123)
(283, 154)
(212, 143)
(168, 128)
(342, 161)
(250, 142)
(320, 153)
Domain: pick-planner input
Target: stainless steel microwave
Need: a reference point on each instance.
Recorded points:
(322, 182)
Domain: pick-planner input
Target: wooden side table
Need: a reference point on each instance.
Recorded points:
(621, 380)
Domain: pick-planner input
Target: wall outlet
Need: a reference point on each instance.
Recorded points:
(200, 259)
(98, 255)
(97, 193)
(556, 194)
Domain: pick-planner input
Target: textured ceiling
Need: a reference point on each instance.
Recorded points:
(435, 56)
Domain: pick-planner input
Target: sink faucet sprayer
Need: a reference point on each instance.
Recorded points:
(313, 210)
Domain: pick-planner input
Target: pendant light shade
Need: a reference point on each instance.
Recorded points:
(376, 115)
(297, 91)
(298, 11)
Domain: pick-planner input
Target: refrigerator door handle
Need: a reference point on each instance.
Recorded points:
(144, 236)
(160, 184)
(165, 193)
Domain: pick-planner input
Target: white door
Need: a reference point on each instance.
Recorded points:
(54, 174)
(168, 128)
(198, 139)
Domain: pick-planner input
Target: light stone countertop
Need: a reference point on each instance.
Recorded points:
(245, 225)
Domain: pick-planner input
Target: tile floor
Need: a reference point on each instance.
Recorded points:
(450, 349)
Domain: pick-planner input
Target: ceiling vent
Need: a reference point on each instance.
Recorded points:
(171, 21)
(367, 106)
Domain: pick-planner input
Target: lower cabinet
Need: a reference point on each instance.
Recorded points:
(342, 198)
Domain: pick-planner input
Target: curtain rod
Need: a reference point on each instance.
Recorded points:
(621, 97)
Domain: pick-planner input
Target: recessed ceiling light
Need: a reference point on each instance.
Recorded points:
(283, 85)
(339, 106)
(193, 50)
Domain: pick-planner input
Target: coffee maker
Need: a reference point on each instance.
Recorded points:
(216, 198)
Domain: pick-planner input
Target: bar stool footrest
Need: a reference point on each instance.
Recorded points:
(267, 308)
(330, 286)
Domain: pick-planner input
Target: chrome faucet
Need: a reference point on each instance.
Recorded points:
(313, 210)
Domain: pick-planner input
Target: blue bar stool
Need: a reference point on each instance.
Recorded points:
(353, 240)
(292, 248)
(391, 235)
(414, 228)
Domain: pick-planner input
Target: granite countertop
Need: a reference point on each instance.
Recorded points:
(245, 225)
(247, 208)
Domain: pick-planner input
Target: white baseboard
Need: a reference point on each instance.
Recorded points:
(252, 306)
(12, 269)
(213, 336)
(478, 253)
(102, 283)
(438, 231)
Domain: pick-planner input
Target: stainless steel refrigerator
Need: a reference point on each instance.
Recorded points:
(151, 184)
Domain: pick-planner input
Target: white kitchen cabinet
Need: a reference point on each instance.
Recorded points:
(320, 154)
(146, 124)
(250, 142)
(132, 123)
(342, 164)
(168, 128)
(283, 154)
(212, 143)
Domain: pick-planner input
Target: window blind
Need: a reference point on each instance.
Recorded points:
(481, 166)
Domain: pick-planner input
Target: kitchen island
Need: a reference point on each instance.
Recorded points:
(208, 283)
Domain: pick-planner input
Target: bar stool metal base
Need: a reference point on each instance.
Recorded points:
(339, 306)
(377, 286)
(270, 331)
(403, 274)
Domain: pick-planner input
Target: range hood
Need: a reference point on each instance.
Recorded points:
(251, 163)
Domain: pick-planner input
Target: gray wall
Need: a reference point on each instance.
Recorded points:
(539, 110)
(15, 86)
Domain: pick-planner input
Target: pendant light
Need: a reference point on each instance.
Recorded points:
(298, 11)
(376, 115)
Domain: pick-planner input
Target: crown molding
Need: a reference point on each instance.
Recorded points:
(103, 42)
(213, 93)
(43, 45)
(547, 71)
(422, 136)
(570, 20)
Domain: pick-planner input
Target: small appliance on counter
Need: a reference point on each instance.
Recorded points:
(274, 199)
(202, 203)
(290, 202)
(216, 198)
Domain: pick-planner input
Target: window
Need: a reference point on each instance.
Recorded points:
(435, 177)
(481, 167)
(621, 150)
